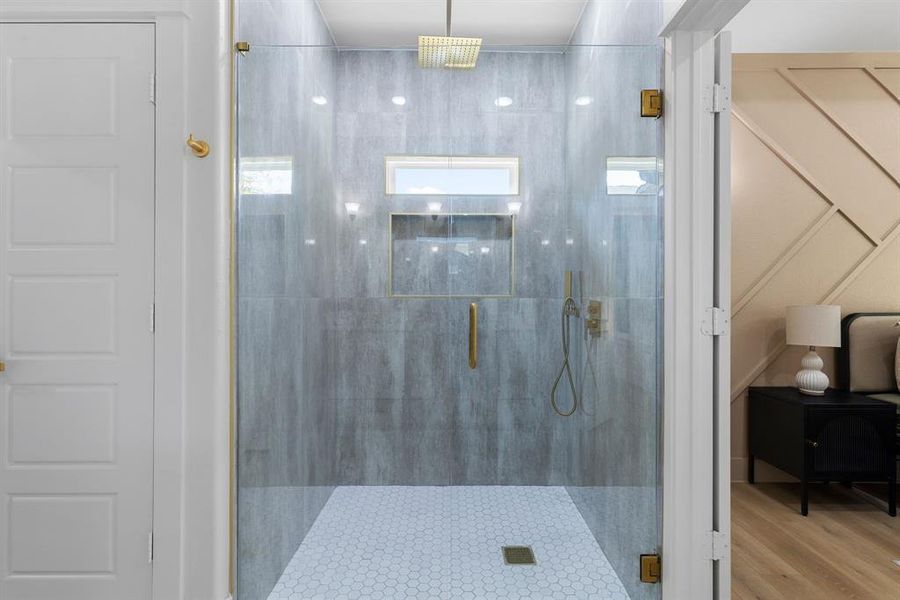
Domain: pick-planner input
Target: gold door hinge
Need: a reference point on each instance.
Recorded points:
(650, 568)
(651, 103)
(2, 366)
(242, 47)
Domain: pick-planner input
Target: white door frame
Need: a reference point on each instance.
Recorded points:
(696, 495)
(722, 299)
(191, 402)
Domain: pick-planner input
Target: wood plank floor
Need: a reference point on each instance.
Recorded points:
(843, 550)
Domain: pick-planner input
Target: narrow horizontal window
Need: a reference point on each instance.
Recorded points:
(632, 175)
(452, 175)
(266, 175)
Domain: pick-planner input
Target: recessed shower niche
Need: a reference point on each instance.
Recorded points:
(447, 255)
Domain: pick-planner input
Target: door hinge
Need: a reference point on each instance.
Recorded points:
(717, 545)
(153, 318)
(719, 99)
(651, 103)
(715, 321)
(650, 568)
(153, 88)
(150, 547)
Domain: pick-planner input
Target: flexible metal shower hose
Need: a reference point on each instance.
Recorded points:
(568, 309)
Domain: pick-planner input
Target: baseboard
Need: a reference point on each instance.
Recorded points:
(873, 500)
(765, 473)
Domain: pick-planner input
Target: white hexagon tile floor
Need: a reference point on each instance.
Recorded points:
(396, 543)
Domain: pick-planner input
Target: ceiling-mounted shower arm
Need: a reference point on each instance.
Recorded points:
(449, 16)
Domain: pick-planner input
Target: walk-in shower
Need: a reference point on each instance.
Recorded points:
(403, 238)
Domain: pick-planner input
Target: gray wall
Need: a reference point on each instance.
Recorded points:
(282, 22)
(340, 383)
(410, 411)
(284, 354)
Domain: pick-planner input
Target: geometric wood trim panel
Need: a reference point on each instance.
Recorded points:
(816, 195)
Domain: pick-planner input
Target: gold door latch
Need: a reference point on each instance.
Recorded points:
(2, 366)
(650, 568)
(651, 103)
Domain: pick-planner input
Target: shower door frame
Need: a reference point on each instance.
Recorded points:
(696, 406)
(654, 519)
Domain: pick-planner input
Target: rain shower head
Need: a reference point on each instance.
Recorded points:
(446, 51)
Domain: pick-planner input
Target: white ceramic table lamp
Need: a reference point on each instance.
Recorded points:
(813, 325)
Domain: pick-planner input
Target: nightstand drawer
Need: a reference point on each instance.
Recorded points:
(847, 441)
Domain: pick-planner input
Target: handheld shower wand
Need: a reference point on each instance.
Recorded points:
(569, 309)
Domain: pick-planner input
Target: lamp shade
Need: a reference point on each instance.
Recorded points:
(814, 325)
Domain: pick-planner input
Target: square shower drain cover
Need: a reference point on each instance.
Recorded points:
(518, 555)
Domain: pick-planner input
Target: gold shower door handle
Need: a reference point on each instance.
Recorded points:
(473, 335)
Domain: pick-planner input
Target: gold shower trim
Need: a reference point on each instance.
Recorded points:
(473, 335)
(390, 246)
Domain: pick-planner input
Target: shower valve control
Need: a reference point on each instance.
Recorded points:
(594, 318)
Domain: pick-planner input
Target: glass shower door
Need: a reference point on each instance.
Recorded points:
(616, 217)
(385, 428)
(581, 491)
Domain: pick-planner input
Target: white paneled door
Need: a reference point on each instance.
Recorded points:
(76, 291)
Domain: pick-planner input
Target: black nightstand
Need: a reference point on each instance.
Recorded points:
(836, 437)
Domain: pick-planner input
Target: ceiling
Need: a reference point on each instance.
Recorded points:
(380, 23)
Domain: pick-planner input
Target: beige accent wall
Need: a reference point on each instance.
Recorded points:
(816, 206)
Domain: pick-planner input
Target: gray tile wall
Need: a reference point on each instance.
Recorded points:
(285, 430)
(412, 412)
(618, 244)
(619, 22)
(284, 22)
